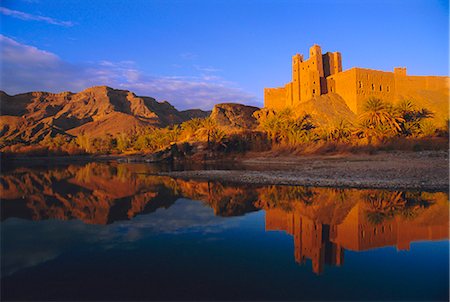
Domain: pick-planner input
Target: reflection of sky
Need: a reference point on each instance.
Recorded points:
(28, 243)
(185, 252)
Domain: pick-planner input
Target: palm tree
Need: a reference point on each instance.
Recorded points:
(412, 117)
(190, 127)
(207, 127)
(378, 119)
(377, 112)
(299, 129)
(174, 133)
(339, 132)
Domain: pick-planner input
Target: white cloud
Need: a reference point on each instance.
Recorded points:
(27, 68)
(29, 17)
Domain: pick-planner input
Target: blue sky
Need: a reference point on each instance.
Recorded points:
(198, 53)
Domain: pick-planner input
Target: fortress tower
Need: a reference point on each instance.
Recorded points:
(322, 74)
(308, 79)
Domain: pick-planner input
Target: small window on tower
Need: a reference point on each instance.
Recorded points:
(373, 87)
(314, 91)
(387, 88)
(360, 84)
(381, 88)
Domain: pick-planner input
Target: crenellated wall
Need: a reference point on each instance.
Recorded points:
(322, 74)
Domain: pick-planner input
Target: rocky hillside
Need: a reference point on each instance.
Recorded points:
(234, 115)
(327, 109)
(95, 111)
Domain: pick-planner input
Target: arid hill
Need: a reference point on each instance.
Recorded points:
(95, 111)
(328, 109)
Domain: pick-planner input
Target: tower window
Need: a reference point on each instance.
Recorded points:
(314, 91)
(387, 88)
(373, 87)
(360, 84)
(381, 88)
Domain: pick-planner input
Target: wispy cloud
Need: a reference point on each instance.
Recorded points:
(188, 56)
(207, 69)
(27, 68)
(29, 17)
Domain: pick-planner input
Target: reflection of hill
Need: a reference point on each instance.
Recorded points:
(94, 193)
(322, 221)
(100, 193)
(225, 200)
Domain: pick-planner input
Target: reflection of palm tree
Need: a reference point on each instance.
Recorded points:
(410, 213)
(384, 205)
(415, 202)
(286, 197)
(376, 217)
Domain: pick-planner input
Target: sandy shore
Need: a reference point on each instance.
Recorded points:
(428, 170)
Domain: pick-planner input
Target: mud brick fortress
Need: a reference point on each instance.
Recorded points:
(322, 74)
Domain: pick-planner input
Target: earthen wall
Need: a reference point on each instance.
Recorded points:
(322, 74)
(275, 98)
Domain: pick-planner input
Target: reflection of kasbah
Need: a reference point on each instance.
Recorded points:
(366, 220)
(323, 221)
(322, 74)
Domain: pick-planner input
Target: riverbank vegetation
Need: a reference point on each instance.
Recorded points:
(381, 126)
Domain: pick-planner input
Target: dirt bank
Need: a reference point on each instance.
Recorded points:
(426, 170)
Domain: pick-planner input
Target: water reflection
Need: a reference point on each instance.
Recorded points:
(323, 222)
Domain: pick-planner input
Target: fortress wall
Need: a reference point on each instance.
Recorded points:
(279, 220)
(275, 98)
(411, 84)
(374, 83)
(322, 74)
(429, 92)
(344, 84)
(288, 94)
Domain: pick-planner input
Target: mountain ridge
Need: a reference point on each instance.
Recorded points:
(95, 111)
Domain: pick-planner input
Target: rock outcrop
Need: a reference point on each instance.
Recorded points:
(95, 111)
(234, 115)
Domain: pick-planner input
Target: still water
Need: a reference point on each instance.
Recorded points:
(114, 232)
